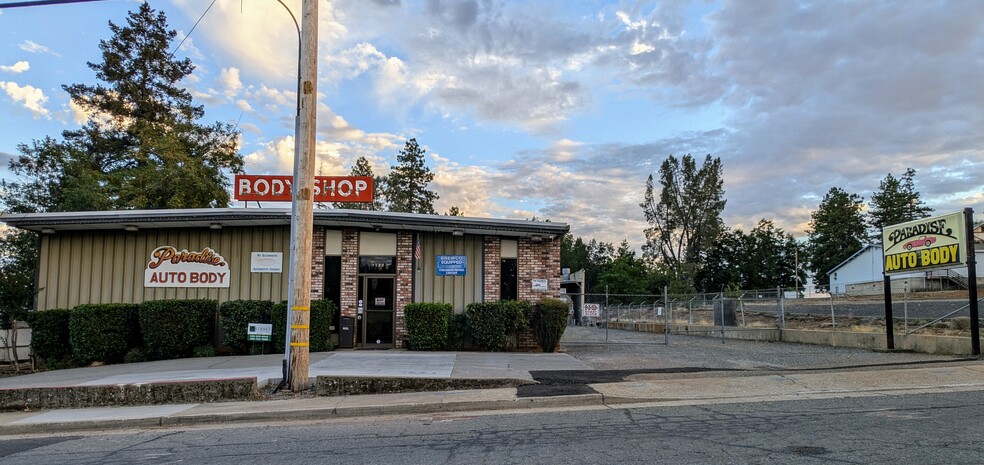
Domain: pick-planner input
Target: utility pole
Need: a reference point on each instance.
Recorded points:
(302, 220)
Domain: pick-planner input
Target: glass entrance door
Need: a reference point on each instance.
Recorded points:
(379, 296)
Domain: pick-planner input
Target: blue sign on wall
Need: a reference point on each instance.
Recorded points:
(451, 265)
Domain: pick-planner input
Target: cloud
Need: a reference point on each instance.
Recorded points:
(29, 97)
(33, 47)
(16, 68)
(229, 81)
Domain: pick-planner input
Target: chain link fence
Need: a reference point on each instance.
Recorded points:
(594, 317)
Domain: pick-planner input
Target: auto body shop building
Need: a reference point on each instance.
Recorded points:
(370, 263)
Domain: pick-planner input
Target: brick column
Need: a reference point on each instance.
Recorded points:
(404, 283)
(492, 268)
(318, 264)
(538, 260)
(350, 272)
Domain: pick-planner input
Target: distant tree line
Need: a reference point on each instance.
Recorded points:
(689, 248)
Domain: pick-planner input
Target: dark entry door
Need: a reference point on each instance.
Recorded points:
(379, 298)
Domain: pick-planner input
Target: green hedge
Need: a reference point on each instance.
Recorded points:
(491, 323)
(49, 334)
(173, 328)
(427, 325)
(236, 315)
(458, 332)
(103, 332)
(549, 322)
(322, 314)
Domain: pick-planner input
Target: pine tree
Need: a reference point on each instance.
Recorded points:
(142, 147)
(837, 231)
(685, 218)
(406, 186)
(454, 211)
(896, 201)
(362, 167)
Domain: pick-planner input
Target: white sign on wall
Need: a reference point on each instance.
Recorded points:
(266, 262)
(540, 284)
(170, 267)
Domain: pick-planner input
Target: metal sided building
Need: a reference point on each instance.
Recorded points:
(370, 263)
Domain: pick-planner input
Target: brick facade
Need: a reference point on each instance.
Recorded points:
(404, 283)
(350, 273)
(318, 264)
(492, 267)
(538, 260)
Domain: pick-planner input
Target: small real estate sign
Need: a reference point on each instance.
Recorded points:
(452, 265)
(539, 284)
(170, 267)
(266, 262)
(937, 242)
(261, 332)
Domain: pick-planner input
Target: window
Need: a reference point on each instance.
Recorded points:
(508, 279)
(333, 285)
(377, 265)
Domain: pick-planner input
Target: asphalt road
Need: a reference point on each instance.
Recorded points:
(927, 428)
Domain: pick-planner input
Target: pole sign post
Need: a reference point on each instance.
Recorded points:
(929, 243)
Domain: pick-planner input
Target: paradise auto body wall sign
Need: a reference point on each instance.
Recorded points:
(170, 267)
(929, 243)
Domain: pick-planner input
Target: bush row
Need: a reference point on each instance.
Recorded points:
(160, 330)
(489, 326)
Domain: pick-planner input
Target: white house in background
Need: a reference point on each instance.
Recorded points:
(862, 274)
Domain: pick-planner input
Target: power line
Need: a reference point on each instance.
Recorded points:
(200, 18)
(43, 3)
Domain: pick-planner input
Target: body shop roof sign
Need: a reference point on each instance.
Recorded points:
(937, 242)
(276, 188)
(170, 267)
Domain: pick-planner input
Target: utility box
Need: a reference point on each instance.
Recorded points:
(724, 312)
(346, 332)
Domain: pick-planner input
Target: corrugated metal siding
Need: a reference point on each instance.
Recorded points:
(456, 290)
(108, 267)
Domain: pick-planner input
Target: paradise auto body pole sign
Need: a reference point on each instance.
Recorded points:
(169, 267)
(929, 243)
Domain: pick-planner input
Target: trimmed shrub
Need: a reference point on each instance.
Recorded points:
(427, 325)
(173, 328)
(49, 334)
(549, 322)
(491, 323)
(322, 312)
(135, 356)
(458, 333)
(278, 317)
(236, 315)
(204, 351)
(103, 332)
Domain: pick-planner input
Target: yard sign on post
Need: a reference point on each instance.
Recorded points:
(930, 243)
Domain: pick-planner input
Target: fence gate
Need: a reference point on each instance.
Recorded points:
(616, 319)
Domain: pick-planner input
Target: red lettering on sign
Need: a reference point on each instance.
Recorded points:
(277, 188)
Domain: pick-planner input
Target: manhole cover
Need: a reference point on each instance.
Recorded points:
(807, 450)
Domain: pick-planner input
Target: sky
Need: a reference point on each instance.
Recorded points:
(560, 109)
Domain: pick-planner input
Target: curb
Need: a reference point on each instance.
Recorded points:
(184, 419)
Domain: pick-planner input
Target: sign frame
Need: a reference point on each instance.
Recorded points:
(937, 242)
(451, 265)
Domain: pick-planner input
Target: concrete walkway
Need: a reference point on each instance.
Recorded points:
(658, 388)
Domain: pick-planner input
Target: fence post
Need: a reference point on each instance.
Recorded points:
(690, 312)
(782, 310)
(905, 308)
(833, 320)
(666, 316)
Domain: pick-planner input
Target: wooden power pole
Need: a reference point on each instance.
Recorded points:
(302, 220)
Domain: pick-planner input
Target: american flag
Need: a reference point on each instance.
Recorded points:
(417, 254)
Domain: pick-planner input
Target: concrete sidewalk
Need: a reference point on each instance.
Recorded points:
(640, 391)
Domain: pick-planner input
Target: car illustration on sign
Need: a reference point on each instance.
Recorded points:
(923, 241)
